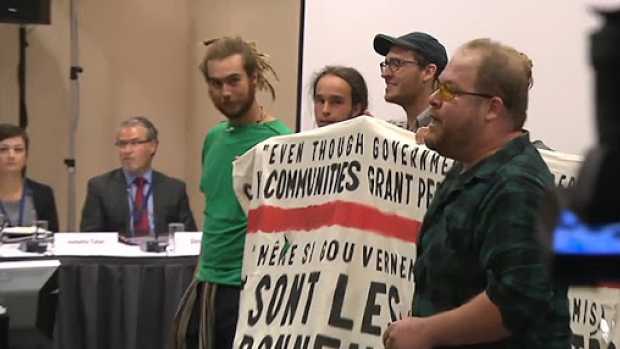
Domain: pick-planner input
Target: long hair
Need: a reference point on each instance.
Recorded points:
(254, 61)
(355, 80)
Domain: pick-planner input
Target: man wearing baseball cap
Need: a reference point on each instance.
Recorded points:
(411, 66)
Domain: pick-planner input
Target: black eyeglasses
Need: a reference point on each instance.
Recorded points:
(132, 143)
(395, 64)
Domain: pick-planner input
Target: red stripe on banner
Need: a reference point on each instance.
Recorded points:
(271, 219)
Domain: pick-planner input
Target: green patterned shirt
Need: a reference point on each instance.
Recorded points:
(480, 235)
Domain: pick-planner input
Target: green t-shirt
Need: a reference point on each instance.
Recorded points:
(225, 222)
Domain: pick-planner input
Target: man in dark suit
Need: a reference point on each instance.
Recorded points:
(135, 200)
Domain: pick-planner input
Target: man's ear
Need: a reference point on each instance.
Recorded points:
(155, 144)
(357, 110)
(429, 72)
(496, 106)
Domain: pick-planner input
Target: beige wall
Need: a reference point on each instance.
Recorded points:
(140, 57)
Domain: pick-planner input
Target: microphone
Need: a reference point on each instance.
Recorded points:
(129, 228)
(156, 234)
(229, 129)
(153, 245)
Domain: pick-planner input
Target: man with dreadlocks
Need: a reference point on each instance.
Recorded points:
(233, 69)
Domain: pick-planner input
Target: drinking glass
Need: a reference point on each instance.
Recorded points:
(41, 226)
(42, 232)
(173, 228)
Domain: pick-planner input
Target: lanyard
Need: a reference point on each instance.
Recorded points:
(137, 212)
(22, 206)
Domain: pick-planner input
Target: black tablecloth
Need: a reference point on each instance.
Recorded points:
(41, 336)
(119, 303)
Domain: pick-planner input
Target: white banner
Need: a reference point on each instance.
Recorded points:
(594, 312)
(333, 217)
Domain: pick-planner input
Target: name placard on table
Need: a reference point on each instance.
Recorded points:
(83, 244)
(187, 243)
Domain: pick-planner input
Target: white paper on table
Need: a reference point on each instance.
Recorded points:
(187, 243)
(13, 251)
(84, 244)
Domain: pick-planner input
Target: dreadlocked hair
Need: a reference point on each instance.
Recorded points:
(254, 61)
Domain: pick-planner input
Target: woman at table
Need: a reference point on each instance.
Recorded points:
(22, 200)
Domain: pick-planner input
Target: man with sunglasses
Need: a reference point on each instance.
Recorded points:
(135, 200)
(411, 66)
(480, 275)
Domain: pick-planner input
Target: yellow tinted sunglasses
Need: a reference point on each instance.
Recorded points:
(447, 93)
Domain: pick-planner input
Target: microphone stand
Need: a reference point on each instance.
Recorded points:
(23, 45)
(75, 109)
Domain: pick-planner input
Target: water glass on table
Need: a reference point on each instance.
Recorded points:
(173, 228)
(42, 232)
(41, 228)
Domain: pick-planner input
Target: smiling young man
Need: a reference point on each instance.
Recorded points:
(411, 66)
(480, 275)
(234, 71)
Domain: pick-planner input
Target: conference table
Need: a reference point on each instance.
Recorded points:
(127, 298)
(121, 298)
